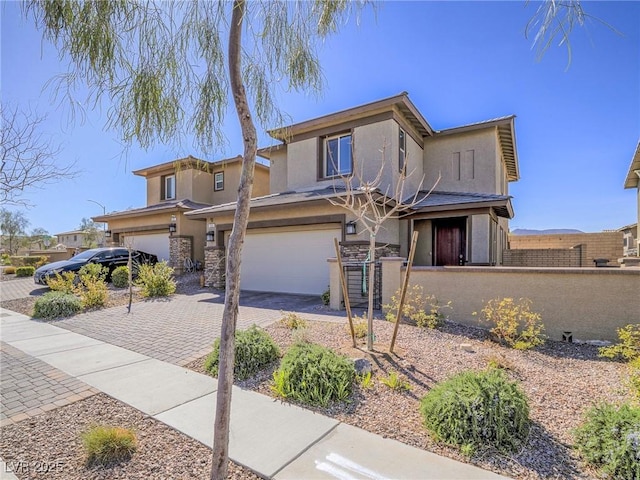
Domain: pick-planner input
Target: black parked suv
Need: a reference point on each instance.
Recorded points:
(107, 257)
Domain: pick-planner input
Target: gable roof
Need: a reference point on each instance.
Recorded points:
(633, 176)
(506, 136)
(401, 102)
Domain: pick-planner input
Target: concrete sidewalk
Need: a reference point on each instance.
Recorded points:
(272, 438)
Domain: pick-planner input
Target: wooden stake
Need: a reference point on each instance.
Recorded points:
(345, 292)
(405, 284)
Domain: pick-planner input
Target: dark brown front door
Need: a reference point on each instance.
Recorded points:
(450, 241)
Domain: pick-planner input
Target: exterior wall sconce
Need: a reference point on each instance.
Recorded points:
(211, 236)
(107, 234)
(172, 225)
(350, 228)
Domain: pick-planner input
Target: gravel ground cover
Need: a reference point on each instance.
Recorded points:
(49, 447)
(561, 381)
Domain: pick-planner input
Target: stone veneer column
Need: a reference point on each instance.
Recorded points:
(357, 251)
(180, 248)
(214, 267)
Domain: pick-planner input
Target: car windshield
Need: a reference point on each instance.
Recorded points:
(86, 255)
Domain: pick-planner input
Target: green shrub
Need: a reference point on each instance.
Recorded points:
(43, 260)
(628, 348)
(634, 377)
(25, 271)
(92, 288)
(292, 321)
(120, 277)
(64, 282)
(156, 280)
(314, 375)
(5, 259)
(56, 304)
(418, 307)
(92, 272)
(472, 409)
(9, 270)
(513, 322)
(326, 296)
(255, 349)
(609, 439)
(395, 382)
(107, 445)
(360, 326)
(25, 261)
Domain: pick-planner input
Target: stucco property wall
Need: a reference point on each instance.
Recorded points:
(591, 303)
(595, 245)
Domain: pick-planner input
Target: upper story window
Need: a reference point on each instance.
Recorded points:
(337, 156)
(402, 151)
(168, 187)
(218, 181)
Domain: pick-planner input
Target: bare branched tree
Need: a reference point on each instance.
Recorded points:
(29, 157)
(372, 203)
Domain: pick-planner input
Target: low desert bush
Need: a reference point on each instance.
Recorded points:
(92, 288)
(9, 270)
(64, 282)
(474, 409)
(513, 323)
(360, 326)
(395, 382)
(156, 280)
(314, 375)
(326, 296)
(120, 277)
(255, 349)
(627, 349)
(56, 304)
(609, 439)
(106, 445)
(25, 271)
(292, 321)
(421, 308)
(27, 261)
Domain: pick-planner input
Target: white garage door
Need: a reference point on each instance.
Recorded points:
(288, 261)
(157, 243)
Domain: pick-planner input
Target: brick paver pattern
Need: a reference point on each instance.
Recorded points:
(31, 387)
(20, 288)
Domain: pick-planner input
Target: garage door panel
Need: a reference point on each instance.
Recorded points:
(157, 243)
(289, 261)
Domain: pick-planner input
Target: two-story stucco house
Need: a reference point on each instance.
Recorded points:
(290, 232)
(174, 188)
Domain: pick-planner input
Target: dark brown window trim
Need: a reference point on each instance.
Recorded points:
(214, 181)
(321, 151)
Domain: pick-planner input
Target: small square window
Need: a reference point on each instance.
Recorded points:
(218, 181)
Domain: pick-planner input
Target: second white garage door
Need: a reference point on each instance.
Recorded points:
(156, 243)
(282, 260)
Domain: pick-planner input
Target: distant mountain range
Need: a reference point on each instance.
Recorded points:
(549, 231)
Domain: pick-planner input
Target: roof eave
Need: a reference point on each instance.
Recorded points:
(633, 176)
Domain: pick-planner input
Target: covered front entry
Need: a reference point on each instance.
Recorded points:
(288, 259)
(450, 241)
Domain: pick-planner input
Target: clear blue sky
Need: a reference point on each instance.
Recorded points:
(461, 62)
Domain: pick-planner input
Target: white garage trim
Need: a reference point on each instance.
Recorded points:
(288, 259)
(156, 243)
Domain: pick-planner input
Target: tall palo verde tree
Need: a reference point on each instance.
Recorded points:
(164, 70)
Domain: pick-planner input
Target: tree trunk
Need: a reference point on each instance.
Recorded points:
(229, 317)
(372, 278)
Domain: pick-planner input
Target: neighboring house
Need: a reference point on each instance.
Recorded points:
(630, 240)
(174, 188)
(81, 239)
(290, 232)
(633, 181)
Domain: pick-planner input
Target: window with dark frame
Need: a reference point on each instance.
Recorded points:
(168, 187)
(218, 181)
(402, 151)
(337, 156)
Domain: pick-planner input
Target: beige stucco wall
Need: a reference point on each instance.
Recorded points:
(480, 238)
(479, 148)
(302, 168)
(232, 174)
(589, 302)
(278, 171)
